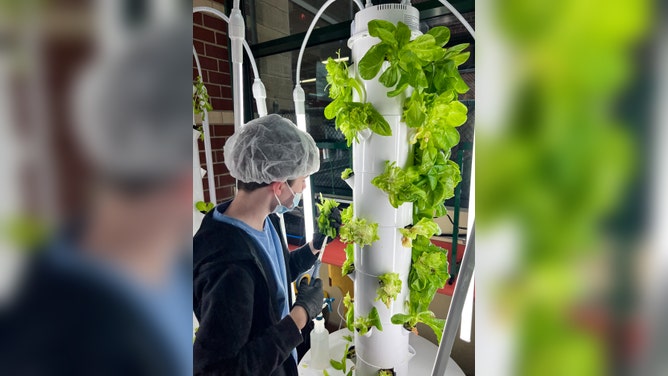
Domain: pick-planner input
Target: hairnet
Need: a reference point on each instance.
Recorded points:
(270, 148)
(133, 118)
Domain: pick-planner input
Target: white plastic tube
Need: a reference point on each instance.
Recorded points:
(259, 91)
(237, 33)
(207, 142)
(459, 17)
(307, 36)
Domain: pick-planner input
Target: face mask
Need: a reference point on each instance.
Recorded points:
(296, 197)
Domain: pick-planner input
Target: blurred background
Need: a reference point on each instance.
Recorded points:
(96, 184)
(96, 201)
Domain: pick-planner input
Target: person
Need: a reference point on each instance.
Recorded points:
(241, 266)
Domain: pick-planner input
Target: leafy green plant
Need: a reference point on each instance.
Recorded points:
(427, 317)
(361, 323)
(349, 264)
(364, 323)
(359, 231)
(347, 214)
(350, 312)
(386, 372)
(342, 365)
(204, 207)
(200, 97)
(325, 208)
(351, 117)
(390, 287)
(346, 173)
(425, 227)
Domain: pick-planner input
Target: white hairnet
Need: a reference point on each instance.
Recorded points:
(270, 148)
(133, 114)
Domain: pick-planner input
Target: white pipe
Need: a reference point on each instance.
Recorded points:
(459, 17)
(259, 92)
(300, 112)
(237, 33)
(207, 141)
(222, 15)
(308, 35)
(260, 95)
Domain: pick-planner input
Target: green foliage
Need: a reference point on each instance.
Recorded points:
(351, 117)
(390, 287)
(325, 208)
(427, 184)
(425, 227)
(200, 97)
(364, 323)
(434, 112)
(429, 272)
(349, 264)
(350, 312)
(359, 231)
(399, 184)
(341, 365)
(347, 214)
(204, 207)
(426, 317)
(385, 372)
(346, 173)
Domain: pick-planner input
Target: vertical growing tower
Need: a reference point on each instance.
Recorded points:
(389, 348)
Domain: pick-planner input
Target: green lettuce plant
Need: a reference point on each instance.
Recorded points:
(389, 289)
(351, 117)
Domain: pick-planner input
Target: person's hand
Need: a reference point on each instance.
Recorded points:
(310, 297)
(334, 222)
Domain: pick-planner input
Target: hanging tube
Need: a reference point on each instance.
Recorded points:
(237, 32)
(259, 92)
(459, 17)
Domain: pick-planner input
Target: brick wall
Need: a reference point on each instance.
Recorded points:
(211, 43)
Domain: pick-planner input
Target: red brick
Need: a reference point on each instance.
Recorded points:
(197, 18)
(213, 90)
(200, 33)
(208, 63)
(219, 156)
(224, 66)
(217, 52)
(199, 47)
(220, 78)
(221, 39)
(222, 104)
(226, 179)
(217, 143)
(195, 73)
(226, 92)
(214, 22)
(220, 168)
(224, 130)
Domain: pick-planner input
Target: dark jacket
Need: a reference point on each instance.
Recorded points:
(235, 302)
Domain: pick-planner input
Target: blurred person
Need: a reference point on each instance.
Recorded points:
(242, 267)
(110, 293)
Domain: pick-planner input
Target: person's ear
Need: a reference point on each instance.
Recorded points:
(276, 187)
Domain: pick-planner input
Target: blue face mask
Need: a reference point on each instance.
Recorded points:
(296, 197)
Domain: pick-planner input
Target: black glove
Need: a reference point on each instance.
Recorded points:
(334, 222)
(310, 296)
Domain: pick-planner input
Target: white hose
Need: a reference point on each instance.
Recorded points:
(459, 17)
(222, 15)
(308, 35)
